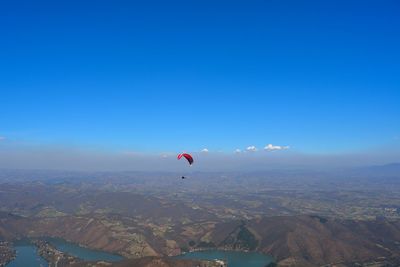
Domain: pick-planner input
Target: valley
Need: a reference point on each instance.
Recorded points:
(139, 216)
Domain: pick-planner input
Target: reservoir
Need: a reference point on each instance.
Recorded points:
(83, 253)
(27, 253)
(234, 258)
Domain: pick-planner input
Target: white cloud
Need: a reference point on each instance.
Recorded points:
(251, 149)
(204, 150)
(271, 147)
(237, 151)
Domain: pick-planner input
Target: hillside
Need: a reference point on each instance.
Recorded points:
(315, 241)
(299, 240)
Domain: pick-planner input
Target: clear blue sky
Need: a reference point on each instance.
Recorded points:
(319, 76)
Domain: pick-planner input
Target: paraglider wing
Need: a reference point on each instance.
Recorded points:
(188, 157)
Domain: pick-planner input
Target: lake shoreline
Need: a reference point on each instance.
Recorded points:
(53, 239)
(26, 254)
(7, 253)
(84, 253)
(52, 255)
(233, 258)
(54, 251)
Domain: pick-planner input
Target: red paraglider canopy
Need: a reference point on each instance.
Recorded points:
(186, 156)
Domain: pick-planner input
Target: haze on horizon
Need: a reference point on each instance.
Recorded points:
(244, 86)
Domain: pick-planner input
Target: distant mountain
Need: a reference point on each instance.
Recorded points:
(387, 170)
(395, 167)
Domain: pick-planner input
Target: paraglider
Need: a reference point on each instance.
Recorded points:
(188, 157)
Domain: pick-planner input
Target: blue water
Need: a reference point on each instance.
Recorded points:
(27, 253)
(235, 258)
(26, 256)
(81, 252)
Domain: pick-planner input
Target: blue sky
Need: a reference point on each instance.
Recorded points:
(322, 77)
